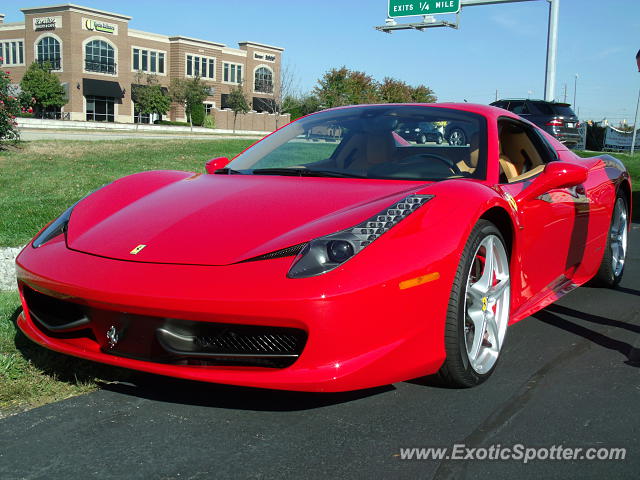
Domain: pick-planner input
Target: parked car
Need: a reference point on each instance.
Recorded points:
(421, 132)
(310, 265)
(457, 133)
(556, 118)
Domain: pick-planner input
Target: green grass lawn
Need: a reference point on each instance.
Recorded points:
(40, 179)
(31, 376)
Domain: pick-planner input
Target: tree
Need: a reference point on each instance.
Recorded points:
(423, 94)
(150, 97)
(237, 102)
(188, 92)
(284, 91)
(40, 84)
(395, 91)
(9, 108)
(300, 106)
(341, 86)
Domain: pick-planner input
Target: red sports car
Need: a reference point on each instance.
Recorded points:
(332, 255)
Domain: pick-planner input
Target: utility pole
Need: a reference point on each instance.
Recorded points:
(575, 89)
(635, 126)
(496, 94)
(565, 93)
(552, 50)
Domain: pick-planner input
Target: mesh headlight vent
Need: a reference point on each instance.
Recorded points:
(368, 231)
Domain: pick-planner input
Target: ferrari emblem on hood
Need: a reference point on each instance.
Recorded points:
(137, 250)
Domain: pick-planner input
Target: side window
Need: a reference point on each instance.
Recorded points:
(550, 152)
(523, 152)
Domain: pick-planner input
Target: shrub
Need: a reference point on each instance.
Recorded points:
(9, 109)
(209, 121)
(197, 114)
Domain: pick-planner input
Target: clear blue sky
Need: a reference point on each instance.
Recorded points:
(499, 47)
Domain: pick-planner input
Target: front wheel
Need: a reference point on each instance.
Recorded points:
(612, 266)
(457, 137)
(478, 311)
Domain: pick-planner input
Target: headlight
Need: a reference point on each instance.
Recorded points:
(326, 253)
(59, 225)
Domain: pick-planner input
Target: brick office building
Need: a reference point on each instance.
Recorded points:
(98, 59)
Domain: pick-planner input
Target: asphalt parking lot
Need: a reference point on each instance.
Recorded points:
(569, 376)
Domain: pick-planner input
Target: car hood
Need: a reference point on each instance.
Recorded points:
(199, 219)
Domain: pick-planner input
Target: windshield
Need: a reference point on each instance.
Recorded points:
(384, 142)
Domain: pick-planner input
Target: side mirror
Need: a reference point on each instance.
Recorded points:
(555, 175)
(216, 163)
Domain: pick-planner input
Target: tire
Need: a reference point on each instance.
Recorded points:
(439, 139)
(457, 137)
(613, 261)
(475, 300)
(421, 139)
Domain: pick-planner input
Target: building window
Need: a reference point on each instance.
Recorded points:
(224, 101)
(263, 80)
(99, 57)
(12, 52)
(49, 51)
(148, 61)
(260, 105)
(100, 109)
(139, 117)
(198, 66)
(209, 107)
(232, 73)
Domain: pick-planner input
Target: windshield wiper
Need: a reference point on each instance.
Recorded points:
(303, 172)
(228, 171)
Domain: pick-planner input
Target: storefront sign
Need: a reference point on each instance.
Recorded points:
(47, 23)
(266, 57)
(99, 26)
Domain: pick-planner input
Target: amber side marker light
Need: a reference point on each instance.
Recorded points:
(414, 282)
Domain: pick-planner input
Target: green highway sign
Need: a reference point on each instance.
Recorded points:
(409, 8)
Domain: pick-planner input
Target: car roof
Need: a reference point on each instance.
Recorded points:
(485, 110)
(531, 100)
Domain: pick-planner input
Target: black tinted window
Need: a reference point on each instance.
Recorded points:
(518, 107)
(552, 109)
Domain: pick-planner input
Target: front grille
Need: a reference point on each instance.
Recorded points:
(167, 340)
(54, 314)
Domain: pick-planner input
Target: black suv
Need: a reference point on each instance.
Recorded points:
(556, 118)
(422, 132)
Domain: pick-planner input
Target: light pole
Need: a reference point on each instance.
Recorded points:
(635, 126)
(575, 88)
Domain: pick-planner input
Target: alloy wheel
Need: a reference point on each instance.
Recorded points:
(487, 303)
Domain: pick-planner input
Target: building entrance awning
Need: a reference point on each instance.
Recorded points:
(101, 88)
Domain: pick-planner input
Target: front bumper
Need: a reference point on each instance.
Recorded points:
(361, 329)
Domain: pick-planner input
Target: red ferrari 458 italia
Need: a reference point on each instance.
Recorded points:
(335, 254)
